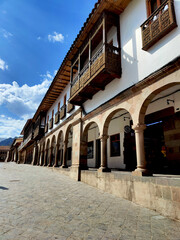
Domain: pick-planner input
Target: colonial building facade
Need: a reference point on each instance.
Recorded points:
(114, 103)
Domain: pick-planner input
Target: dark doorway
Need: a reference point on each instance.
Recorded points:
(98, 153)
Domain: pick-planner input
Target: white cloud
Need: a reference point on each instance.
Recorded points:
(24, 100)
(3, 65)
(10, 127)
(6, 34)
(56, 37)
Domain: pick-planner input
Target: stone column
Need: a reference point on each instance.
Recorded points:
(140, 153)
(41, 158)
(45, 157)
(34, 155)
(25, 157)
(103, 167)
(56, 155)
(64, 165)
(19, 157)
(50, 157)
(15, 155)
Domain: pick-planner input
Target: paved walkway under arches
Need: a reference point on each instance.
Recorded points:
(38, 203)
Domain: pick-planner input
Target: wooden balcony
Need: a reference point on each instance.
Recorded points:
(70, 107)
(46, 128)
(51, 123)
(57, 117)
(160, 23)
(38, 132)
(63, 112)
(104, 66)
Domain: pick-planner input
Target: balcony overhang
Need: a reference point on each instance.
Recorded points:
(62, 78)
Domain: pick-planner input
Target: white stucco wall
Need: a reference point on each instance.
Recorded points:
(137, 63)
(55, 107)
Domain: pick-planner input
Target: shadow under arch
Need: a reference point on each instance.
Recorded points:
(42, 155)
(121, 149)
(47, 155)
(68, 142)
(60, 145)
(90, 146)
(161, 136)
(53, 151)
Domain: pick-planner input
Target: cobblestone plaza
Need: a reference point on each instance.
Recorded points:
(39, 203)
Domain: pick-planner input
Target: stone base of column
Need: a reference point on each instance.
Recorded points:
(104, 169)
(141, 172)
(55, 165)
(64, 166)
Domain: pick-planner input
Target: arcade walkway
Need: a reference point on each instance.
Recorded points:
(39, 203)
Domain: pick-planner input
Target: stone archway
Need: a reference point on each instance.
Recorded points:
(52, 151)
(90, 146)
(67, 151)
(42, 155)
(47, 153)
(59, 149)
(119, 141)
(160, 115)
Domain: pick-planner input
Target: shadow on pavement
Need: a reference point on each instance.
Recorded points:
(3, 188)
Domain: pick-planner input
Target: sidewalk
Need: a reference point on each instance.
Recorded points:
(38, 203)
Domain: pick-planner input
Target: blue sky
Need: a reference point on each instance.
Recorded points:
(35, 36)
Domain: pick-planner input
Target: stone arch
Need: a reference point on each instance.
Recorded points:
(90, 146)
(60, 145)
(120, 140)
(42, 155)
(149, 98)
(47, 155)
(68, 142)
(161, 119)
(53, 150)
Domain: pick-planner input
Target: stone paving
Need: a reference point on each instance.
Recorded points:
(39, 203)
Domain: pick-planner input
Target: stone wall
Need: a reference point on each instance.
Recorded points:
(161, 194)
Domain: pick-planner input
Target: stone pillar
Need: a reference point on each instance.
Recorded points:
(15, 155)
(41, 158)
(25, 156)
(34, 154)
(64, 165)
(19, 157)
(140, 153)
(56, 155)
(45, 157)
(50, 156)
(103, 167)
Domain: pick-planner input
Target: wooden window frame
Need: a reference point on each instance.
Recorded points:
(65, 99)
(148, 6)
(113, 152)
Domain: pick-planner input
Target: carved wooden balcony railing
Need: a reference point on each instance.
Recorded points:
(70, 107)
(104, 66)
(38, 128)
(63, 112)
(57, 115)
(161, 22)
(46, 128)
(39, 131)
(51, 123)
(26, 141)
